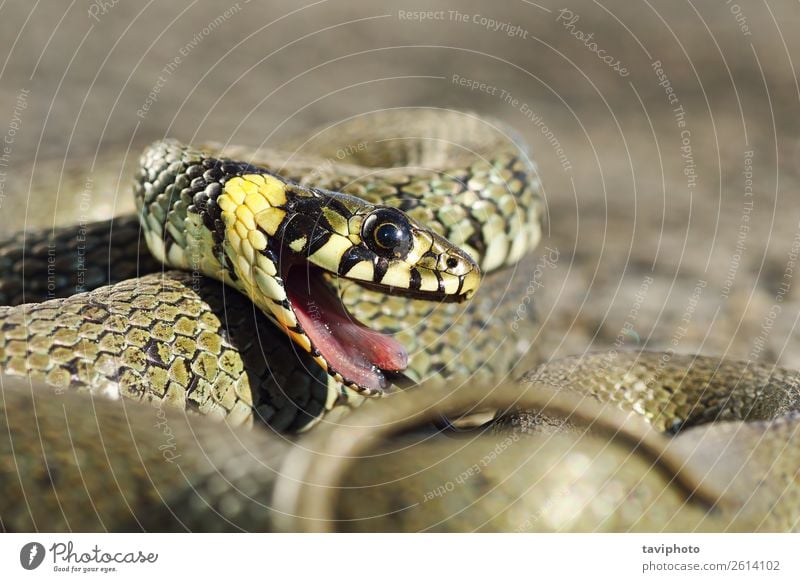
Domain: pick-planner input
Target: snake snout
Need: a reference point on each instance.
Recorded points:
(447, 270)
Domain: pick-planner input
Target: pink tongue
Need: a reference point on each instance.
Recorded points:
(358, 353)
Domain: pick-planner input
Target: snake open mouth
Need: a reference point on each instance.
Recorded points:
(360, 354)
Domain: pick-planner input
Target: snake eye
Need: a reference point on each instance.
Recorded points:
(387, 232)
(389, 235)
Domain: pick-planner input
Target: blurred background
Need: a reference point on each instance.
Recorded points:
(665, 132)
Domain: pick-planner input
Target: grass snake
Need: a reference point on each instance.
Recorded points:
(278, 291)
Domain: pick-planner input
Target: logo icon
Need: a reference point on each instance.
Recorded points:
(31, 555)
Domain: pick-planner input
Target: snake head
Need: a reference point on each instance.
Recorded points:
(331, 235)
(385, 250)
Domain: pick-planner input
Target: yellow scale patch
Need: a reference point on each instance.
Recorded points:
(301, 340)
(428, 281)
(363, 270)
(299, 244)
(329, 255)
(450, 282)
(270, 220)
(337, 221)
(250, 207)
(397, 275)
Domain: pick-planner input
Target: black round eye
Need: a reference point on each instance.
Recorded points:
(388, 235)
(387, 232)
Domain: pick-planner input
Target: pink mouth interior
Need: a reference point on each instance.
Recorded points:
(358, 353)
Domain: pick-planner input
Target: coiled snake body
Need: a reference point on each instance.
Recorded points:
(353, 278)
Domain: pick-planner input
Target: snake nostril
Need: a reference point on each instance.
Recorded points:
(451, 262)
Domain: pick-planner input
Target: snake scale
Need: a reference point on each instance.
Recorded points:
(280, 291)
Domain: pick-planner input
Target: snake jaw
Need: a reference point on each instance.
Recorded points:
(429, 268)
(359, 355)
